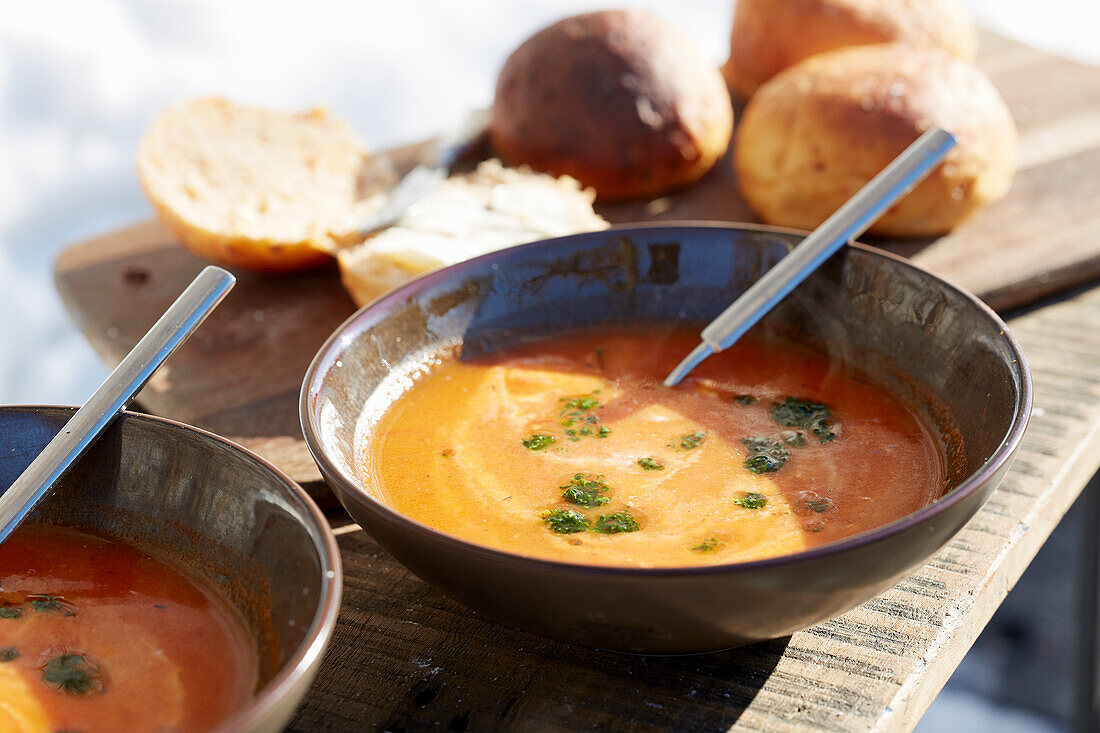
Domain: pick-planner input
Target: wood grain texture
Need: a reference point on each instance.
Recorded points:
(405, 657)
(1044, 237)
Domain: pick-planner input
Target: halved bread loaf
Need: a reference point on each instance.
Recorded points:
(263, 190)
(468, 215)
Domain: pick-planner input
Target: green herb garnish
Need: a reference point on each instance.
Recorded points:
(752, 500)
(650, 464)
(620, 521)
(52, 604)
(708, 545)
(765, 456)
(8, 653)
(585, 490)
(587, 402)
(744, 399)
(576, 410)
(73, 673)
(566, 521)
(448, 453)
(12, 612)
(693, 440)
(819, 505)
(538, 441)
(813, 416)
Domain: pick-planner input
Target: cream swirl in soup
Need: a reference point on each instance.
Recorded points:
(571, 449)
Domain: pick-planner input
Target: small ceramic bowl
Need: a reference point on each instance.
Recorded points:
(227, 515)
(947, 353)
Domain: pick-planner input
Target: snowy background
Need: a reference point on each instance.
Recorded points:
(80, 80)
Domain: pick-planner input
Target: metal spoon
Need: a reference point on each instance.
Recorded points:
(847, 223)
(85, 427)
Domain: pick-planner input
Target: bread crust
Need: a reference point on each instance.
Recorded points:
(258, 255)
(770, 35)
(814, 134)
(616, 99)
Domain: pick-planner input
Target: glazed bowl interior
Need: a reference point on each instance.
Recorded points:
(938, 347)
(214, 509)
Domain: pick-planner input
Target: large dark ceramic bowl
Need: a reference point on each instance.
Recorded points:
(938, 346)
(230, 517)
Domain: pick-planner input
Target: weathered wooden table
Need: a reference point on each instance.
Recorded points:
(405, 657)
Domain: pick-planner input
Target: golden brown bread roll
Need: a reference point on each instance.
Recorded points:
(770, 35)
(813, 135)
(255, 188)
(618, 100)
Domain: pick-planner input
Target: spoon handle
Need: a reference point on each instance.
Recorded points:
(846, 223)
(85, 426)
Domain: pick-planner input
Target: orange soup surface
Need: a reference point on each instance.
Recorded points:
(572, 449)
(97, 635)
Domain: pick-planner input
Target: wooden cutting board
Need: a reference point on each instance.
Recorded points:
(239, 375)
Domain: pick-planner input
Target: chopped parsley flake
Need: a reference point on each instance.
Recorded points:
(51, 604)
(744, 399)
(12, 612)
(813, 416)
(693, 440)
(818, 505)
(752, 500)
(765, 456)
(576, 410)
(538, 441)
(650, 464)
(73, 673)
(566, 521)
(585, 490)
(708, 545)
(8, 653)
(620, 521)
(588, 402)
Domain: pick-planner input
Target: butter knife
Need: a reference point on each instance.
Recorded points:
(434, 166)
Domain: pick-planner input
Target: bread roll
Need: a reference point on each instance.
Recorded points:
(257, 189)
(813, 135)
(770, 35)
(616, 99)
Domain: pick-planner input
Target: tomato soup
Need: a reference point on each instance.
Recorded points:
(97, 635)
(572, 449)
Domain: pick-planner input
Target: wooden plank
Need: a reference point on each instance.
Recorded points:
(1044, 237)
(405, 657)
